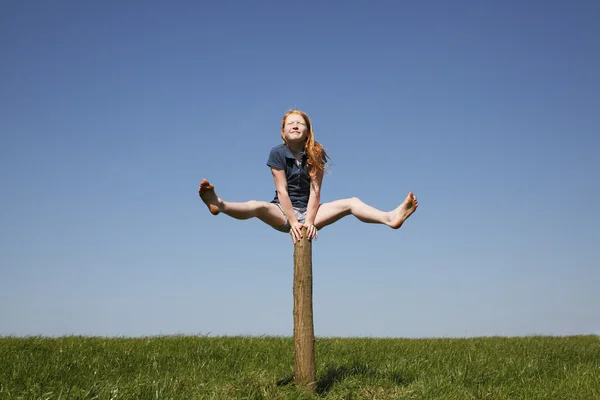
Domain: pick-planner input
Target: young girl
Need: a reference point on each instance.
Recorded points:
(297, 166)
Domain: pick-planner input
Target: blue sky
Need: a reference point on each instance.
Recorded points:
(112, 113)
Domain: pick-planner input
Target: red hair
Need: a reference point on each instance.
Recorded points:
(314, 150)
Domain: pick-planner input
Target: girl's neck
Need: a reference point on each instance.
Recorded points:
(296, 148)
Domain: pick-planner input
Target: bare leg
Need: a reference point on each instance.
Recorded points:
(329, 213)
(266, 212)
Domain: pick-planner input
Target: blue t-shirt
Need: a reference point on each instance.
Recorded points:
(297, 176)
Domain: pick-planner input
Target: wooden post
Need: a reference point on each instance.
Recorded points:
(304, 334)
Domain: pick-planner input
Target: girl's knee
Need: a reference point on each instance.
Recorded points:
(256, 205)
(261, 209)
(354, 201)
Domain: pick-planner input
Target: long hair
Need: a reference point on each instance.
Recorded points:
(317, 155)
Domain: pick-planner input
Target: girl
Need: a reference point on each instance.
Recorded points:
(297, 166)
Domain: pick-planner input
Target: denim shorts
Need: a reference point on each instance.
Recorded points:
(300, 215)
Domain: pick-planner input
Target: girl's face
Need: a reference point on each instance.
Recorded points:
(295, 129)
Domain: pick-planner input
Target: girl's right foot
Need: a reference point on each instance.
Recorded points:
(209, 197)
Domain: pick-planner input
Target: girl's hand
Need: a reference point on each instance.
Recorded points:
(311, 231)
(296, 232)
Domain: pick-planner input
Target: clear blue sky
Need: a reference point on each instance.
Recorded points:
(112, 112)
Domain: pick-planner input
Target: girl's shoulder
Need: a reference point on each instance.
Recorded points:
(278, 156)
(281, 150)
(279, 147)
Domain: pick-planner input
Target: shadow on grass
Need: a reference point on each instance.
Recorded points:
(338, 373)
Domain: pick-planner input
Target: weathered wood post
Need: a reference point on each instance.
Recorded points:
(304, 333)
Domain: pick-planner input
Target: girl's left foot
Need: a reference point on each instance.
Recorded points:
(209, 197)
(404, 210)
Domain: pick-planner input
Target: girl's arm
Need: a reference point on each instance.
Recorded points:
(314, 200)
(284, 199)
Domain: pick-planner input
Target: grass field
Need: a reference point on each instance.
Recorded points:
(200, 367)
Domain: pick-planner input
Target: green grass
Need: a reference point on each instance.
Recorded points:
(190, 367)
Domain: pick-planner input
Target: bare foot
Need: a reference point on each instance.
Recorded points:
(209, 197)
(404, 210)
